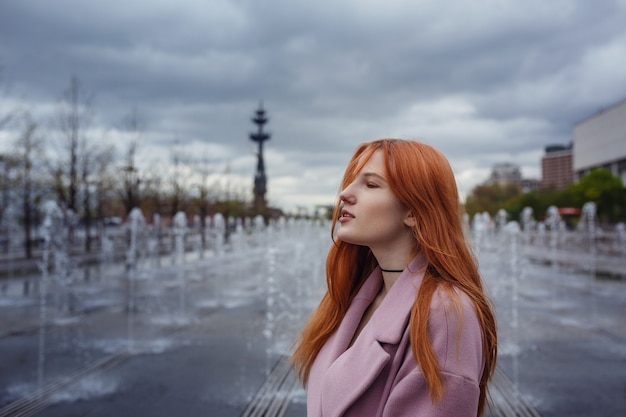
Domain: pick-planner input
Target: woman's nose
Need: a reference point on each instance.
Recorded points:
(346, 196)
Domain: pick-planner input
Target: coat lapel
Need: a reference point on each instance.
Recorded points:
(345, 332)
(358, 367)
(392, 316)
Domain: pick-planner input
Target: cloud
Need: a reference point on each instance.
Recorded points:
(485, 81)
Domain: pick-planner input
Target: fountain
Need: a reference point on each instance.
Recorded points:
(528, 223)
(269, 277)
(553, 221)
(219, 233)
(51, 226)
(276, 268)
(501, 219)
(136, 225)
(271, 290)
(481, 228)
(515, 272)
(587, 224)
(620, 229)
(180, 231)
(154, 240)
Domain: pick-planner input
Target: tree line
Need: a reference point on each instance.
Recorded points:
(93, 180)
(599, 186)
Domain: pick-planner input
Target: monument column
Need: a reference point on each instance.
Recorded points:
(260, 179)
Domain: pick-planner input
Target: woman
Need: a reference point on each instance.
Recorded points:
(405, 328)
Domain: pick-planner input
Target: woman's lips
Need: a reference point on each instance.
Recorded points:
(345, 216)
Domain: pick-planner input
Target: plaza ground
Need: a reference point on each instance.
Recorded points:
(209, 336)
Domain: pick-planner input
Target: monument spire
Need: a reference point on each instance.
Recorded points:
(260, 178)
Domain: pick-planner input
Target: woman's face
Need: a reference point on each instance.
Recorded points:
(371, 214)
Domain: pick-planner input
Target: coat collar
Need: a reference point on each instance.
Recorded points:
(387, 321)
(356, 368)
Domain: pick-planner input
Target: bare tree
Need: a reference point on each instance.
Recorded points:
(95, 161)
(28, 151)
(104, 184)
(130, 177)
(153, 194)
(204, 189)
(8, 165)
(75, 112)
(178, 181)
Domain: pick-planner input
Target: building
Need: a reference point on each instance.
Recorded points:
(556, 167)
(505, 173)
(530, 184)
(600, 142)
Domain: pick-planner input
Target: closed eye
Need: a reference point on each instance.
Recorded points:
(373, 180)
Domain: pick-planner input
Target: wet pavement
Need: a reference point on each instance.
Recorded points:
(209, 336)
(562, 331)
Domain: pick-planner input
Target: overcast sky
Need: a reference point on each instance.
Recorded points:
(486, 81)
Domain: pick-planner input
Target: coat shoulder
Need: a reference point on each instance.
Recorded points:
(456, 333)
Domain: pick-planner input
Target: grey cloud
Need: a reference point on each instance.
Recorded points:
(331, 74)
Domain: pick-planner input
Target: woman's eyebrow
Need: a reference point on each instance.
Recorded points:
(373, 174)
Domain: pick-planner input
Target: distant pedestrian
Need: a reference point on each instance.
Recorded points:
(405, 328)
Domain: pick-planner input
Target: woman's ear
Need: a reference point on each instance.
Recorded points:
(409, 219)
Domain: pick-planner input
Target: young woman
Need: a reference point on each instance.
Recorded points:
(405, 328)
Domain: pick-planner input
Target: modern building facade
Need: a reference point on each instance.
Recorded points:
(530, 184)
(505, 173)
(600, 142)
(557, 167)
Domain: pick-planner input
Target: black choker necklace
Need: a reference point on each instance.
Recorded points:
(391, 270)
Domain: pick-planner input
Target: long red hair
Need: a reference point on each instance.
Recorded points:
(421, 178)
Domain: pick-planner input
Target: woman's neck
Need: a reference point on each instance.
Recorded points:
(389, 278)
(392, 265)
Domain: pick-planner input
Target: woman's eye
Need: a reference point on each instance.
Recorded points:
(371, 185)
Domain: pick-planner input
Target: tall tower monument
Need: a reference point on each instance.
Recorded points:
(260, 179)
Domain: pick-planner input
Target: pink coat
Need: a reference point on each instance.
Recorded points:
(378, 375)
